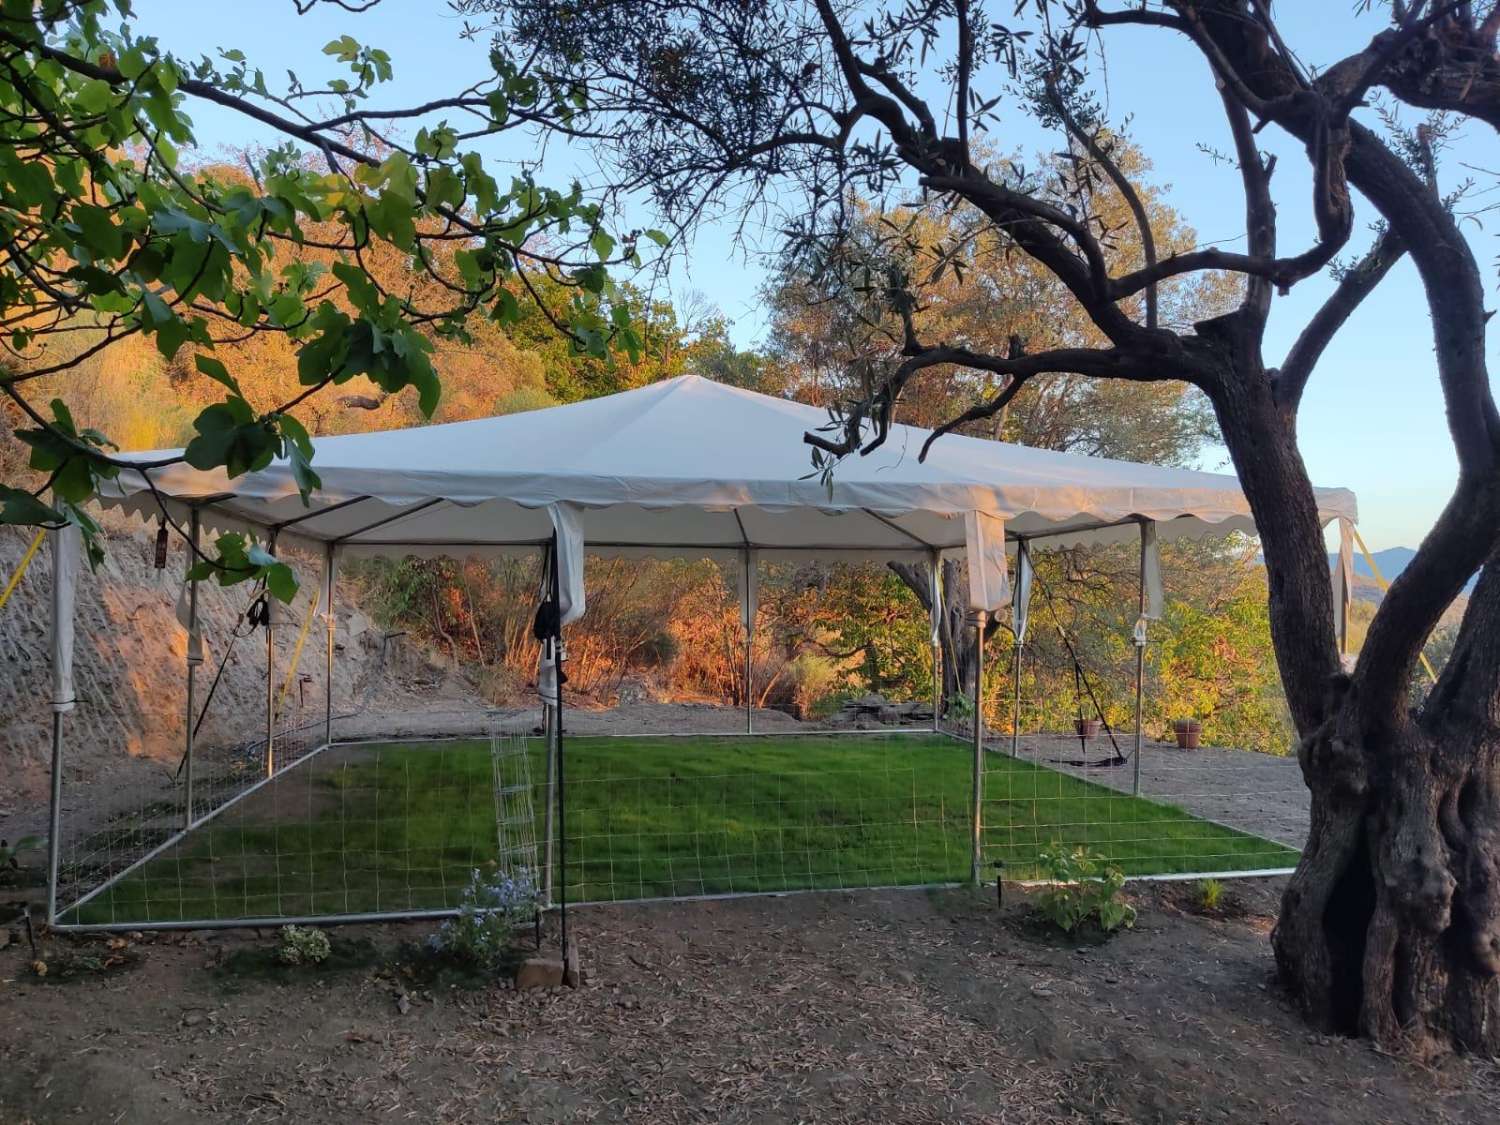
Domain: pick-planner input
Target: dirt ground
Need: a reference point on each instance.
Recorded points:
(894, 1007)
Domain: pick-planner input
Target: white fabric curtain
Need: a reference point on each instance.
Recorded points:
(935, 597)
(1020, 606)
(1151, 572)
(567, 521)
(65, 545)
(984, 544)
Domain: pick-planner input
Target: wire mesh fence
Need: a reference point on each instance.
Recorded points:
(399, 827)
(1206, 811)
(380, 791)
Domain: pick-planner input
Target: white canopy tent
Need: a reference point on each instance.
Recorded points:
(691, 467)
(689, 464)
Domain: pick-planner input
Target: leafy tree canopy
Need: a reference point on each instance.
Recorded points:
(112, 235)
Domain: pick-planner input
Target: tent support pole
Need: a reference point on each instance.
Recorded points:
(328, 578)
(54, 818)
(935, 596)
(1015, 707)
(976, 797)
(749, 580)
(63, 546)
(562, 789)
(194, 658)
(1140, 670)
(549, 727)
(270, 676)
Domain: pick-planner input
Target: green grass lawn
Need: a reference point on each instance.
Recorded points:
(400, 826)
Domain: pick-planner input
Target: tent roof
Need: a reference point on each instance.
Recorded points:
(692, 465)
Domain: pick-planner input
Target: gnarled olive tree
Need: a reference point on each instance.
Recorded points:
(1391, 925)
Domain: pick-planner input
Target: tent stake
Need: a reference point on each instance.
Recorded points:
(977, 791)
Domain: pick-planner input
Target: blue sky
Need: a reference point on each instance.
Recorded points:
(1372, 419)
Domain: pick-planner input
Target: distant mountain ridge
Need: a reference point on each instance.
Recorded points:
(1392, 561)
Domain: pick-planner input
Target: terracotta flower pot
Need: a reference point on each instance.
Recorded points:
(1189, 733)
(1086, 728)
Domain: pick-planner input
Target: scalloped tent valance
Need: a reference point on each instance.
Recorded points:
(689, 466)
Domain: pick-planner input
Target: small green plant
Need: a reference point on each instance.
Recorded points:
(1210, 894)
(1082, 888)
(493, 907)
(303, 945)
(960, 708)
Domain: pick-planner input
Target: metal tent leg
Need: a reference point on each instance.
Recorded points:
(748, 600)
(270, 674)
(328, 579)
(1015, 708)
(935, 598)
(1140, 670)
(54, 820)
(977, 790)
(194, 658)
(549, 726)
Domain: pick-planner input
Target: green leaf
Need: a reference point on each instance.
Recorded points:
(345, 48)
(20, 507)
(281, 582)
(298, 450)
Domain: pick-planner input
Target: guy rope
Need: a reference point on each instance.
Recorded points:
(15, 579)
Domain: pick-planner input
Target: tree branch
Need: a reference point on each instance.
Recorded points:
(1357, 284)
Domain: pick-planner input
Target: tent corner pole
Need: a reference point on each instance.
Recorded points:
(562, 789)
(54, 819)
(935, 596)
(749, 580)
(270, 673)
(194, 658)
(549, 728)
(1015, 708)
(1140, 668)
(328, 578)
(976, 795)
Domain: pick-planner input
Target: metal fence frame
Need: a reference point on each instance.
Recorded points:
(975, 738)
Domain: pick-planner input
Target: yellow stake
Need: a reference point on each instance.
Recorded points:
(1384, 585)
(15, 579)
(297, 652)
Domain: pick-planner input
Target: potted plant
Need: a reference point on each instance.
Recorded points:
(1086, 728)
(1189, 733)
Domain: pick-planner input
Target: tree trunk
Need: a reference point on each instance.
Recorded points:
(1391, 926)
(955, 633)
